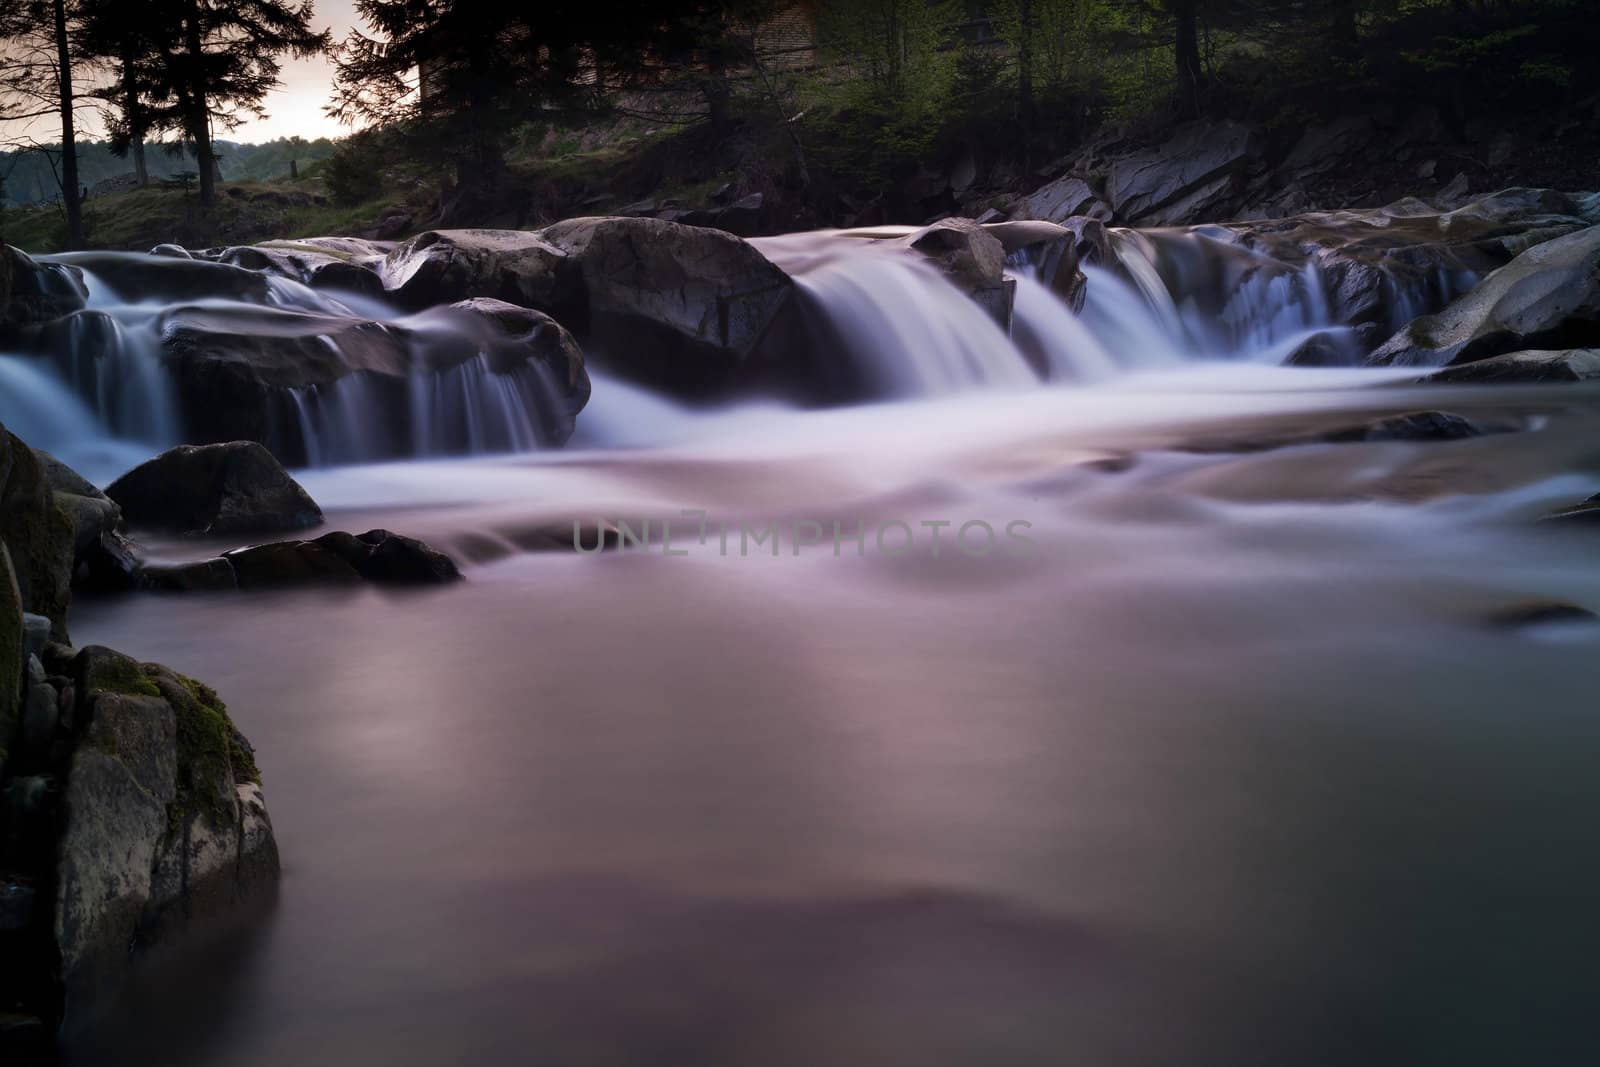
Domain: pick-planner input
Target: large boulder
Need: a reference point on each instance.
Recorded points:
(1546, 298)
(677, 306)
(220, 489)
(162, 821)
(1062, 199)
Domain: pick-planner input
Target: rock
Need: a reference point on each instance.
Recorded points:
(12, 658)
(37, 533)
(40, 713)
(171, 250)
(336, 558)
(1054, 251)
(233, 367)
(1557, 365)
(167, 279)
(1183, 178)
(1586, 513)
(35, 634)
(1416, 426)
(971, 258)
(1326, 147)
(288, 563)
(33, 292)
(162, 822)
(202, 575)
(1062, 199)
(676, 306)
(235, 488)
(388, 558)
(102, 558)
(1547, 297)
(445, 266)
(346, 264)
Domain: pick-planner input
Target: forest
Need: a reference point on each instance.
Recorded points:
(490, 107)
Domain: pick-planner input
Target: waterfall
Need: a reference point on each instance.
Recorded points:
(903, 330)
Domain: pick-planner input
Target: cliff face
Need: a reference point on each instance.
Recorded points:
(130, 806)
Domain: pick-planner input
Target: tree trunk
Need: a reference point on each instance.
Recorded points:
(134, 112)
(199, 111)
(1191, 74)
(70, 190)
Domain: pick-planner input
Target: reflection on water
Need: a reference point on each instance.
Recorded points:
(1232, 772)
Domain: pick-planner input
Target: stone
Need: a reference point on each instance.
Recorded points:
(288, 563)
(1549, 365)
(388, 558)
(35, 634)
(1062, 199)
(36, 532)
(1181, 179)
(971, 258)
(1585, 513)
(201, 575)
(1547, 297)
(679, 307)
(444, 266)
(235, 488)
(35, 291)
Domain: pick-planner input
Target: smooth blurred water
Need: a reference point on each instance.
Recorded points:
(1233, 770)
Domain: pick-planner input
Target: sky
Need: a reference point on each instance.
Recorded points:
(296, 108)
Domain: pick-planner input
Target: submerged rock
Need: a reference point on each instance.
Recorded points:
(234, 488)
(1547, 297)
(335, 558)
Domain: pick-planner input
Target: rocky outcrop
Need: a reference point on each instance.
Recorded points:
(1551, 365)
(168, 279)
(445, 266)
(1189, 176)
(1547, 297)
(334, 558)
(234, 488)
(131, 806)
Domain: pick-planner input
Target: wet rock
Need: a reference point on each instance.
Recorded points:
(168, 279)
(287, 563)
(1584, 514)
(444, 266)
(235, 488)
(1547, 297)
(33, 292)
(37, 533)
(336, 558)
(346, 264)
(35, 634)
(676, 306)
(971, 258)
(389, 558)
(1550, 365)
(1415, 426)
(162, 822)
(102, 558)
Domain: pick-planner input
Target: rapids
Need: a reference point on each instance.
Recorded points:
(1230, 764)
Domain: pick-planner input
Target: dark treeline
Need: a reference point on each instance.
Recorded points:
(860, 92)
(32, 175)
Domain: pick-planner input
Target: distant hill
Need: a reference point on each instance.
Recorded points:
(29, 177)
